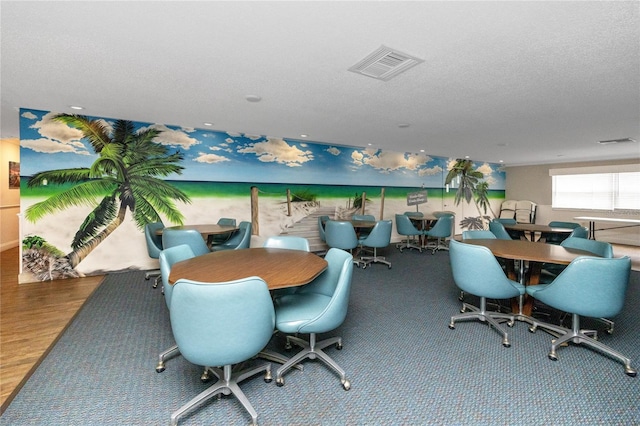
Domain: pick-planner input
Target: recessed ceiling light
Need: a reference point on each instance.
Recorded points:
(403, 125)
(501, 161)
(466, 156)
(369, 144)
(422, 150)
(614, 141)
(76, 107)
(253, 98)
(208, 124)
(304, 136)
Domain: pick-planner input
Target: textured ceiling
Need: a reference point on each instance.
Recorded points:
(522, 82)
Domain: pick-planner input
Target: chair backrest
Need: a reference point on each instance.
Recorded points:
(599, 248)
(380, 235)
(559, 224)
(405, 227)
(439, 214)
(168, 257)
(190, 237)
(241, 239)
(226, 221)
(414, 214)
(363, 217)
(478, 235)
(321, 221)
(154, 241)
(579, 232)
(506, 221)
(340, 234)
(476, 271)
(442, 228)
(334, 282)
(287, 242)
(589, 286)
(498, 230)
(221, 323)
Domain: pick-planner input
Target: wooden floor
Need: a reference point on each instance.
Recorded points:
(33, 316)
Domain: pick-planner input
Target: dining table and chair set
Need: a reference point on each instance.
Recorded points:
(219, 288)
(239, 297)
(577, 277)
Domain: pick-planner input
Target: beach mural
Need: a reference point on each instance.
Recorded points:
(90, 184)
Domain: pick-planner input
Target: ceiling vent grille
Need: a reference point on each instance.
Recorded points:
(614, 141)
(385, 63)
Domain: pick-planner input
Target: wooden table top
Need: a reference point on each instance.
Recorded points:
(356, 223)
(533, 227)
(531, 251)
(278, 267)
(204, 229)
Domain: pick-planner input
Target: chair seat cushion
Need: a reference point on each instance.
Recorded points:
(294, 311)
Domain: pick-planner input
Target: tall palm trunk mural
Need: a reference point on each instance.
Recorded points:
(127, 175)
(471, 187)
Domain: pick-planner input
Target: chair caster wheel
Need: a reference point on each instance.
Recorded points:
(205, 377)
(346, 385)
(511, 324)
(630, 371)
(506, 344)
(452, 327)
(339, 346)
(609, 332)
(159, 368)
(267, 377)
(280, 382)
(287, 346)
(552, 357)
(532, 329)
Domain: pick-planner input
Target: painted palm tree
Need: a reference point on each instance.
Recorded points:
(472, 187)
(126, 176)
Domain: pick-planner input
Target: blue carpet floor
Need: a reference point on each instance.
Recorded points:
(405, 365)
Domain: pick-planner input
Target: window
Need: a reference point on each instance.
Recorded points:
(596, 188)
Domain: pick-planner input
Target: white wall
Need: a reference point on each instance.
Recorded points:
(9, 198)
(534, 183)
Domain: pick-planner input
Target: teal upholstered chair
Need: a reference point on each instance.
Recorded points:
(190, 237)
(551, 238)
(154, 247)
(406, 228)
(321, 221)
(414, 214)
(318, 307)
(167, 258)
(221, 238)
(598, 248)
(288, 242)
(478, 234)
(379, 237)
(579, 232)
(239, 326)
(341, 235)
(440, 232)
(590, 287)
(476, 271)
(240, 239)
(368, 217)
(497, 228)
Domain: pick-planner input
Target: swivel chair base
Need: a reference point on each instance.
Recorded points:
(313, 350)
(578, 336)
(155, 274)
(227, 384)
(172, 352)
(483, 315)
(409, 243)
(437, 246)
(368, 260)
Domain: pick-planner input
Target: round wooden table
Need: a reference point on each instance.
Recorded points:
(204, 229)
(280, 268)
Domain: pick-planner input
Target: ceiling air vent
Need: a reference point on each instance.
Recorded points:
(385, 63)
(614, 141)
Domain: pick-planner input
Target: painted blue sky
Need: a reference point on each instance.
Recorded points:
(220, 156)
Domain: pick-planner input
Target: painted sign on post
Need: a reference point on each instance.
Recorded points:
(415, 198)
